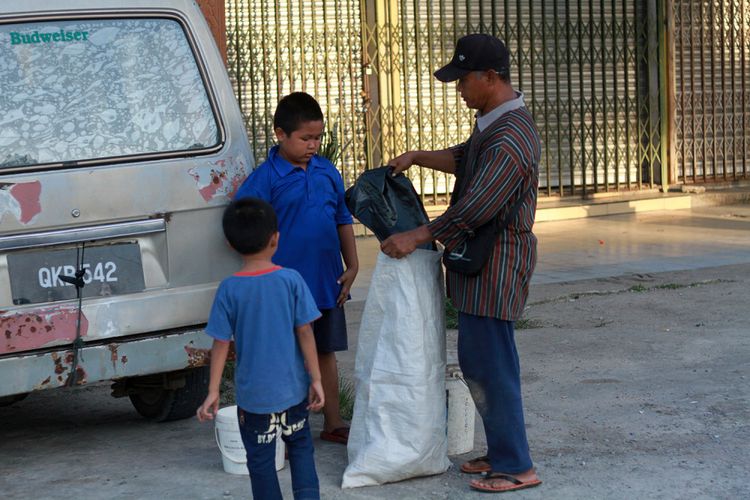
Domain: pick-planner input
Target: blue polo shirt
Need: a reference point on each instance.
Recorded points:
(310, 206)
(260, 311)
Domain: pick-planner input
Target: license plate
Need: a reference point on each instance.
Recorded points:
(109, 270)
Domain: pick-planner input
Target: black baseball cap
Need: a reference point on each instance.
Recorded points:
(475, 52)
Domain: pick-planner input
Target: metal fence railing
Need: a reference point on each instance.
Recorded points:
(275, 47)
(585, 68)
(596, 75)
(712, 76)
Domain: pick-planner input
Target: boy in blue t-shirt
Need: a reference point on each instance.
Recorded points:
(307, 193)
(268, 311)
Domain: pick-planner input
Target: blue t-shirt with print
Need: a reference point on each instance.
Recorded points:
(260, 311)
(310, 205)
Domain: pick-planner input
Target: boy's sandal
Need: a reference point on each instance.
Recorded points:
(339, 435)
(477, 465)
(489, 482)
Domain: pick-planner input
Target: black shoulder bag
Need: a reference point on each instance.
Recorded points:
(471, 256)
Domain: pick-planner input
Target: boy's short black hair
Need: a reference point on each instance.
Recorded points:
(249, 224)
(294, 110)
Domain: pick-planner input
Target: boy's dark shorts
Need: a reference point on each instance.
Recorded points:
(330, 331)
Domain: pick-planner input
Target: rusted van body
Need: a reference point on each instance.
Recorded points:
(120, 144)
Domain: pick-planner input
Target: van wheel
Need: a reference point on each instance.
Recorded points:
(161, 404)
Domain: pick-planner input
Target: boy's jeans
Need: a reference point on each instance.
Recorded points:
(259, 437)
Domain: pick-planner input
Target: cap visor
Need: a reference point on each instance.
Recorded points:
(450, 73)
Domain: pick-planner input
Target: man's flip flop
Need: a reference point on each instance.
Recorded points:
(486, 483)
(339, 435)
(477, 465)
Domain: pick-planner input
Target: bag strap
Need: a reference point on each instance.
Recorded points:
(513, 211)
(460, 187)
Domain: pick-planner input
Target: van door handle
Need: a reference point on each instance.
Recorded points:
(79, 234)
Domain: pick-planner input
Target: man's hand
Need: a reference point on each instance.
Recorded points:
(209, 408)
(346, 280)
(315, 396)
(400, 245)
(402, 162)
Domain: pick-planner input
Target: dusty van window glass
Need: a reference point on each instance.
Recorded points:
(85, 89)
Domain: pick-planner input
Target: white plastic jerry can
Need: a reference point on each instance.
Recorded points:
(460, 411)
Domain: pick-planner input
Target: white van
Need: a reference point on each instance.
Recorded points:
(120, 144)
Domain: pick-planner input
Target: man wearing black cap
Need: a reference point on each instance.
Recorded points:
(499, 164)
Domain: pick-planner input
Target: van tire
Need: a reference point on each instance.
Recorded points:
(159, 404)
(14, 398)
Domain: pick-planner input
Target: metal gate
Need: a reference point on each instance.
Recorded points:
(275, 47)
(590, 71)
(712, 73)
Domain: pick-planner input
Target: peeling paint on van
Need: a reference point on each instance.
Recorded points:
(21, 200)
(39, 328)
(197, 357)
(43, 384)
(64, 364)
(113, 354)
(220, 178)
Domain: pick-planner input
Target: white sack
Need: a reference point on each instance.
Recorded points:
(398, 427)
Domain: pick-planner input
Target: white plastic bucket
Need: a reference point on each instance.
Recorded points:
(227, 432)
(460, 410)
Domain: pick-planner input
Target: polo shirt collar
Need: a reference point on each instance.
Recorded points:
(283, 167)
(486, 120)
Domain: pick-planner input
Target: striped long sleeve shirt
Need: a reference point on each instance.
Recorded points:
(502, 164)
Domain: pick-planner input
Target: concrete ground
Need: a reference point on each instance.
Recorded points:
(634, 362)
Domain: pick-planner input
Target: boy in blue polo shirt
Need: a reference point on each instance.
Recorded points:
(307, 193)
(268, 311)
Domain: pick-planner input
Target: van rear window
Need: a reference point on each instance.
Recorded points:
(77, 90)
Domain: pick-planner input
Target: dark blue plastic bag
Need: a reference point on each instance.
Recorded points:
(386, 204)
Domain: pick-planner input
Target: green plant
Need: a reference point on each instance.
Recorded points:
(226, 389)
(527, 323)
(346, 398)
(330, 147)
(638, 288)
(451, 315)
(671, 286)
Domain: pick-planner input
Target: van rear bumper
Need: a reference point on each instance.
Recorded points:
(111, 361)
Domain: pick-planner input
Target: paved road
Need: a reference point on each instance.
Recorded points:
(635, 384)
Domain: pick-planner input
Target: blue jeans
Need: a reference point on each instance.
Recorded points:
(259, 437)
(489, 361)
